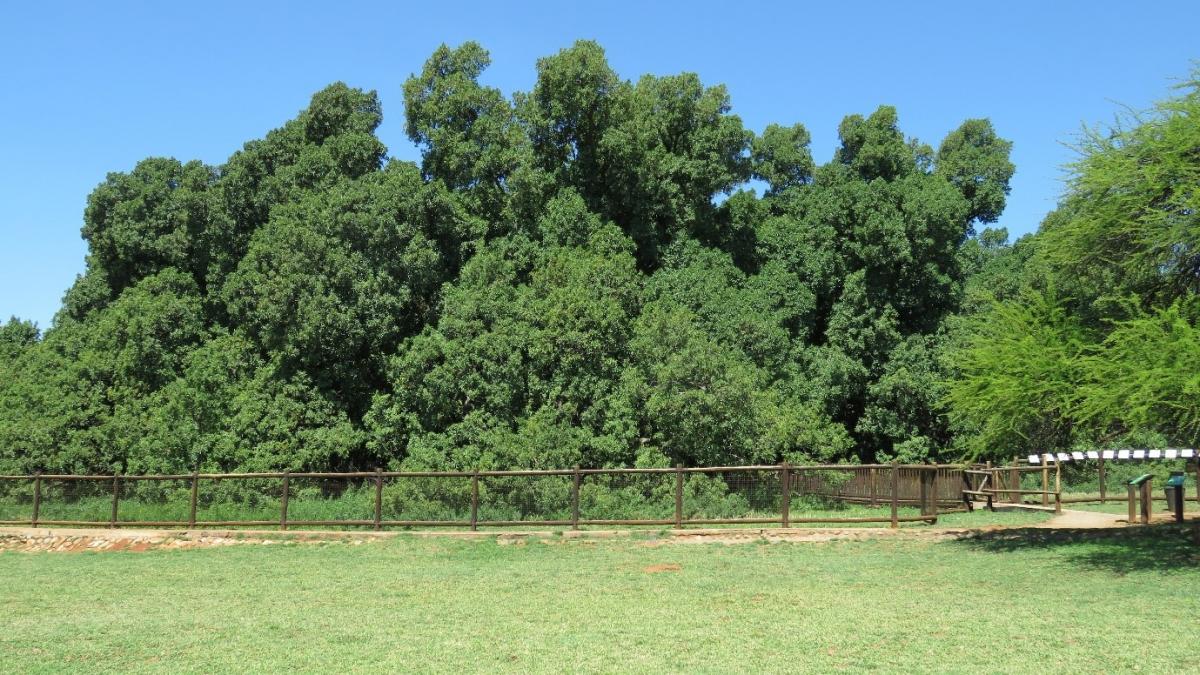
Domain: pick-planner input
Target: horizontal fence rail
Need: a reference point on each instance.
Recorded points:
(782, 495)
(1090, 479)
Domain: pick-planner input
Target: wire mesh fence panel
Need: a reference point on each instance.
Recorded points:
(322, 500)
(76, 500)
(146, 500)
(733, 495)
(16, 499)
(239, 501)
(627, 496)
(854, 484)
(437, 499)
(839, 493)
(525, 498)
(825, 487)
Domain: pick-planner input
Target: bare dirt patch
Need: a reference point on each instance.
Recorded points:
(813, 535)
(662, 567)
(78, 544)
(61, 540)
(51, 541)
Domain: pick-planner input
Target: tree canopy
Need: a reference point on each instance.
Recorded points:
(1087, 333)
(579, 274)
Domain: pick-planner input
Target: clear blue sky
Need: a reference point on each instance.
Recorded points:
(91, 88)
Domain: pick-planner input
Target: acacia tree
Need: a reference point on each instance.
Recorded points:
(1099, 341)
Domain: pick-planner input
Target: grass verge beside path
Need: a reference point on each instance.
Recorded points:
(1055, 601)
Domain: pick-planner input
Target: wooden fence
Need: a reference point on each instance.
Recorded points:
(782, 495)
(1048, 477)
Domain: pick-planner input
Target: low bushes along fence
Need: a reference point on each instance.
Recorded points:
(769, 495)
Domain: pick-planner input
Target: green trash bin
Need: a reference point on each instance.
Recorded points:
(1174, 490)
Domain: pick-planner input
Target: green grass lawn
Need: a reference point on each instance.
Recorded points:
(1026, 602)
(1112, 507)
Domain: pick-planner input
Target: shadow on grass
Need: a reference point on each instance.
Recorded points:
(1160, 548)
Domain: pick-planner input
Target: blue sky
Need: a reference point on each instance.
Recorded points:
(93, 88)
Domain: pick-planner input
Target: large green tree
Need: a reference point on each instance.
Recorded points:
(875, 239)
(577, 274)
(1087, 334)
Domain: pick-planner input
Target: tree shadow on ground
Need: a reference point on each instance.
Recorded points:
(1158, 548)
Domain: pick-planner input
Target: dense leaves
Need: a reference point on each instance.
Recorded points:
(1086, 333)
(573, 275)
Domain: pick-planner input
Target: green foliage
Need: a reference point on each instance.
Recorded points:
(1146, 373)
(1132, 203)
(649, 156)
(1087, 332)
(16, 336)
(781, 156)
(574, 275)
(1018, 377)
(529, 339)
(148, 219)
(904, 408)
(575, 101)
(975, 160)
(879, 239)
(467, 134)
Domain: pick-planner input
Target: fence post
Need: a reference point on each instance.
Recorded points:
(895, 495)
(192, 500)
(1045, 482)
(933, 489)
(1198, 480)
(475, 500)
(1014, 483)
(785, 484)
(283, 502)
(378, 499)
(37, 498)
(678, 496)
(1103, 496)
(874, 486)
(576, 480)
(993, 478)
(112, 519)
(1058, 479)
(924, 491)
